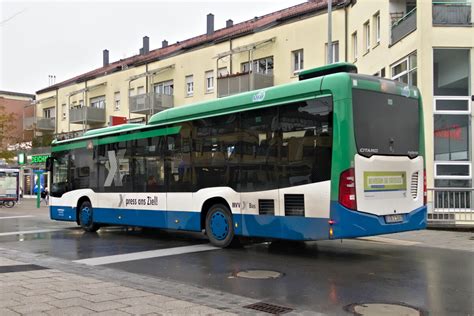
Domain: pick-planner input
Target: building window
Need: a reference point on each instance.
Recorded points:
(81, 103)
(64, 111)
(131, 92)
(354, 46)
(452, 118)
(140, 90)
(377, 27)
(165, 87)
(335, 51)
(209, 77)
(189, 85)
(117, 101)
(367, 36)
(98, 102)
(49, 113)
(405, 70)
(298, 60)
(261, 66)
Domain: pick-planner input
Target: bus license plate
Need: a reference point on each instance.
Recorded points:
(394, 218)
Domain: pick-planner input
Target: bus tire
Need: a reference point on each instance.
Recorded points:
(86, 217)
(220, 226)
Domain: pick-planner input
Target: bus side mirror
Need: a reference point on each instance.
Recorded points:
(49, 164)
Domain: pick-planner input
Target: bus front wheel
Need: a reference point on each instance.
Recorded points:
(220, 226)
(86, 217)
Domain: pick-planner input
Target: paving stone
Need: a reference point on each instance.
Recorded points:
(112, 313)
(68, 294)
(141, 309)
(100, 297)
(176, 304)
(196, 310)
(23, 309)
(152, 300)
(69, 302)
(7, 312)
(36, 299)
(38, 292)
(8, 302)
(105, 306)
(73, 311)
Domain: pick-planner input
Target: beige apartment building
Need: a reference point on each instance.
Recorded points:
(420, 42)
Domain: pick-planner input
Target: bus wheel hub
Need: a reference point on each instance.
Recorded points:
(219, 225)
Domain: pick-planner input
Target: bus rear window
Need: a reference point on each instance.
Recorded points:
(385, 124)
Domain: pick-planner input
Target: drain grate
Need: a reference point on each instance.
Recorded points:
(21, 268)
(269, 308)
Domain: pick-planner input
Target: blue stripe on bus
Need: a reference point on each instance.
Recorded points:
(349, 223)
(283, 227)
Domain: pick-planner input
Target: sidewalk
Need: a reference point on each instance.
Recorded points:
(36, 290)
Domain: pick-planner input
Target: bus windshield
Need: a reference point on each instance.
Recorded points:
(385, 124)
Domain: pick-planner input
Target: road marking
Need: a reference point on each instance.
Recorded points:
(146, 255)
(19, 216)
(26, 232)
(390, 241)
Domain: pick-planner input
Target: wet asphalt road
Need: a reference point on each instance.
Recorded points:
(319, 276)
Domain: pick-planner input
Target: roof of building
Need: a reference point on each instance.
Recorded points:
(18, 94)
(237, 30)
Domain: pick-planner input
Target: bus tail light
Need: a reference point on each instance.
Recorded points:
(347, 191)
(425, 191)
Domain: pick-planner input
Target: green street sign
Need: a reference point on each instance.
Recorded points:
(39, 158)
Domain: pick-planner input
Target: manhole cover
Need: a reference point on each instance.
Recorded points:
(376, 309)
(258, 274)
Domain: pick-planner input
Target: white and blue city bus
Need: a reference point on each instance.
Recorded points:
(334, 155)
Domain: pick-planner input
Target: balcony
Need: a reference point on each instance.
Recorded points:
(38, 123)
(403, 26)
(87, 115)
(452, 13)
(29, 123)
(238, 83)
(45, 124)
(150, 103)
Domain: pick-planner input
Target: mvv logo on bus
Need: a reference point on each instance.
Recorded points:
(376, 181)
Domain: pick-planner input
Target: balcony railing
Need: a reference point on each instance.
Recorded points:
(46, 124)
(403, 26)
(28, 123)
(451, 206)
(234, 84)
(87, 115)
(39, 123)
(150, 103)
(452, 13)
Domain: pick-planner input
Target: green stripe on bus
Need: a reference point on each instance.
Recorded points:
(133, 136)
(69, 146)
(119, 138)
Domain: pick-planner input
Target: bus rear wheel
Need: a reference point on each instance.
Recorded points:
(86, 217)
(220, 226)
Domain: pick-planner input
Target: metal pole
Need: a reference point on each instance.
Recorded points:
(38, 192)
(330, 32)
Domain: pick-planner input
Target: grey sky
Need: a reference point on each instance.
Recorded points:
(66, 38)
